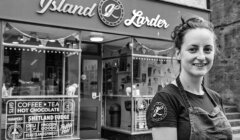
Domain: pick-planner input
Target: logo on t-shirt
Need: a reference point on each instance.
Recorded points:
(159, 111)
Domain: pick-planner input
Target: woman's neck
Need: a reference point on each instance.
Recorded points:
(192, 84)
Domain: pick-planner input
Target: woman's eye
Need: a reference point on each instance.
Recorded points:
(192, 50)
(208, 50)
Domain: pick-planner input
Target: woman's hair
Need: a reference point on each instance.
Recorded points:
(189, 24)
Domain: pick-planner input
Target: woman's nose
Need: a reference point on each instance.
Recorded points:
(201, 55)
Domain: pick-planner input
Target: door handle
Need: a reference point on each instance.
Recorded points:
(95, 96)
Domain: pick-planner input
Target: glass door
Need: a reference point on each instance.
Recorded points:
(90, 112)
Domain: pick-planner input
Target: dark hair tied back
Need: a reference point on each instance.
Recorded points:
(186, 25)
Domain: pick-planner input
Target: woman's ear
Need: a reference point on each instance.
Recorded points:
(177, 54)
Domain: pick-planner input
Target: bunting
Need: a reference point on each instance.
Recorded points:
(43, 42)
(145, 49)
(26, 37)
(140, 48)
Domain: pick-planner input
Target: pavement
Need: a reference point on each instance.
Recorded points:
(236, 136)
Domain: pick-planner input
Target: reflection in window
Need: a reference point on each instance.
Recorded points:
(37, 65)
(38, 73)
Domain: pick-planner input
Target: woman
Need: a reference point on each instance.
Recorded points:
(186, 109)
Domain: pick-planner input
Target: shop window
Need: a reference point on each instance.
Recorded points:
(132, 74)
(40, 82)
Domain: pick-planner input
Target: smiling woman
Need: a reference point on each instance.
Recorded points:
(190, 107)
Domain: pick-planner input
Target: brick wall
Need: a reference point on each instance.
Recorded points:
(225, 74)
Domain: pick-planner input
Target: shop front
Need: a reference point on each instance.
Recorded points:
(84, 69)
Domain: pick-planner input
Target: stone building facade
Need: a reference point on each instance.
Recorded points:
(225, 74)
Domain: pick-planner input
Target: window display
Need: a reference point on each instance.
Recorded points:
(40, 87)
(132, 74)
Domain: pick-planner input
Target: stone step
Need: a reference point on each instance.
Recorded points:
(229, 109)
(236, 129)
(235, 122)
(236, 136)
(233, 115)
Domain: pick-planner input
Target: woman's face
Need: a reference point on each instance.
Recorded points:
(197, 52)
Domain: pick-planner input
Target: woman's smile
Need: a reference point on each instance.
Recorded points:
(199, 65)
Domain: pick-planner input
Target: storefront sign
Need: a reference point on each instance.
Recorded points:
(67, 8)
(138, 20)
(142, 18)
(31, 119)
(111, 13)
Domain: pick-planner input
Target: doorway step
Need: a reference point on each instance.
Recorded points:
(233, 115)
(95, 139)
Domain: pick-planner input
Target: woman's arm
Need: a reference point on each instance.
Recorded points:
(164, 133)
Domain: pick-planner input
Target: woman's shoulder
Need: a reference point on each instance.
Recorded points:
(213, 93)
(169, 90)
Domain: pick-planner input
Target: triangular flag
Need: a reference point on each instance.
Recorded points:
(76, 36)
(8, 27)
(61, 41)
(43, 42)
(144, 50)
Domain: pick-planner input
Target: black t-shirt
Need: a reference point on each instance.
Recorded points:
(167, 109)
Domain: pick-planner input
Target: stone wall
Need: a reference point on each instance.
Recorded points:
(225, 74)
(192, 3)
